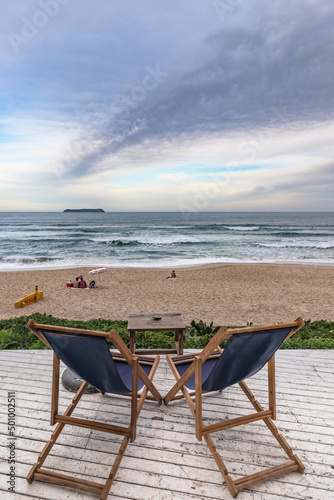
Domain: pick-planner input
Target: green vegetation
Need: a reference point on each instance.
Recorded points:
(313, 335)
(199, 329)
(15, 335)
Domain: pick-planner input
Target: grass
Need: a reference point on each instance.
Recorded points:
(15, 335)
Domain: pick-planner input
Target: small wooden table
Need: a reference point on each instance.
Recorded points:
(143, 322)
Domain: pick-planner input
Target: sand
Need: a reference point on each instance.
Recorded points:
(225, 294)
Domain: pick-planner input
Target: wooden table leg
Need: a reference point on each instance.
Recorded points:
(176, 341)
(133, 341)
(180, 342)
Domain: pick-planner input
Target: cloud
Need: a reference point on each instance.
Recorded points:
(273, 67)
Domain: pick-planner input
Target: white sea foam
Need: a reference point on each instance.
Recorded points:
(154, 239)
(299, 244)
(164, 263)
(242, 228)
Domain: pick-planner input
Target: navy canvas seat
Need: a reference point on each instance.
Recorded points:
(110, 374)
(247, 351)
(207, 368)
(86, 353)
(125, 374)
(223, 370)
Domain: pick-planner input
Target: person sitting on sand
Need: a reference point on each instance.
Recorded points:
(172, 276)
(92, 284)
(82, 283)
(76, 283)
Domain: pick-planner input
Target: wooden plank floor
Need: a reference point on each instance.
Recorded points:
(166, 461)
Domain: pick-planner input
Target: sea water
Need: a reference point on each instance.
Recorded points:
(44, 240)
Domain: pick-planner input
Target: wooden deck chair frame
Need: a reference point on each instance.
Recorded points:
(267, 416)
(129, 433)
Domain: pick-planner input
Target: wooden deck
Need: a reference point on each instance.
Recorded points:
(166, 461)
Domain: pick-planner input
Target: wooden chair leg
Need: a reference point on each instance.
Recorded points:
(148, 380)
(294, 464)
(272, 386)
(272, 427)
(134, 415)
(114, 469)
(47, 448)
(45, 475)
(221, 466)
(102, 490)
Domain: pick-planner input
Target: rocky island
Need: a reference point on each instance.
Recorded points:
(84, 210)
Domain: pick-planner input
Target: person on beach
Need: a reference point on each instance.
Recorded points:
(172, 276)
(82, 283)
(76, 283)
(92, 284)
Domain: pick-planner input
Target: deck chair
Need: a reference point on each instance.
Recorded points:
(247, 351)
(86, 353)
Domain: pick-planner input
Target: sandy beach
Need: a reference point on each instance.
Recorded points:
(224, 294)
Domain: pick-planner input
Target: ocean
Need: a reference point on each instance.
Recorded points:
(54, 240)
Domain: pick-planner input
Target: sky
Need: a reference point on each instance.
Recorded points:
(187, 105)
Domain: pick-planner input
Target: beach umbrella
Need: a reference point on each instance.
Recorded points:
(98, 270)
